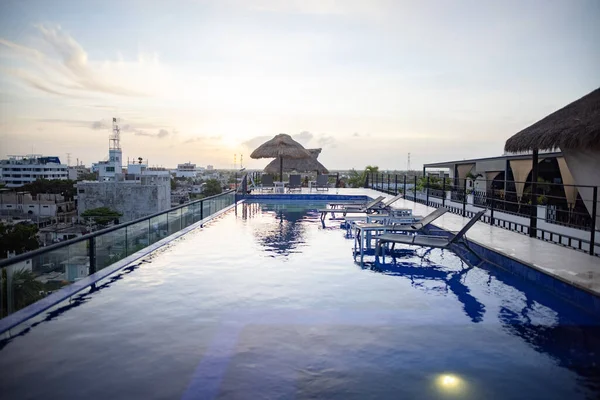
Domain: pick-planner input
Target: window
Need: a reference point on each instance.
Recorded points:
(110, 169)
(45, 206)
(81, 191)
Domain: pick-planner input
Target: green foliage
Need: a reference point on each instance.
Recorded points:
(434, 183)
(173, 184)
(212, 187)
(18, 238)
(64, 187)
(101, 215)
(357, 179)
(26, 289)
(88, 176)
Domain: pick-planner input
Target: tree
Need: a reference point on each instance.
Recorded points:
(101, 215)
(173, 184)
(65, 187)
(88, 176)
(212, 187)
(357, 179)
(26, 289)
(18, 238)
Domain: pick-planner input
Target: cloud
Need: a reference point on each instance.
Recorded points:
(303, 137)
(255, 141)
(63, 68)
(356, 134)
(32, 81)
(102, 124)
(203, 139)
(327, 141)
(162, 133)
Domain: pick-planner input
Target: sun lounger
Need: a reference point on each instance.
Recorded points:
(295, 183)
(266, 183)
(439, 242)
(322, 182)
(366, 210)
(365, 230)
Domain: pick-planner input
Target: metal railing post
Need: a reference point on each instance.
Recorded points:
(201, 210)
(396, 179)
(415, 189)
(92, 254)
(594, 214)
(388, 183)
(427, 192)
(533, 210)
(492, 208)
(404, 190)
(444, 191)
(464, 212)
(181, 218)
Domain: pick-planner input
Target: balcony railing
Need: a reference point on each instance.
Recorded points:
(29, 277)
(539, 209)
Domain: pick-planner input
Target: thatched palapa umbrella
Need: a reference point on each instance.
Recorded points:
(575, 129)
(299, 164)
(575, 126)
(282, 146)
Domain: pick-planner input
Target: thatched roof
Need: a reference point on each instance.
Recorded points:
(299, 165)
(576, 125)
(281, 145)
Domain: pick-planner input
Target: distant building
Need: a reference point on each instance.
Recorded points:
(76, 172)
(134, 198)
(186, 170)
(107, 170)
(209, 167)
(138, 192)
(17, 171)
(23, 204)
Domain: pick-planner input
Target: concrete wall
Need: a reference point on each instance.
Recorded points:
(133, 199)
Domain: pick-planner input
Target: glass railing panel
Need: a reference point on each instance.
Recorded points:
(174, 221)
(137, 236)
(187, 217)
(110, 248)
(159, 228)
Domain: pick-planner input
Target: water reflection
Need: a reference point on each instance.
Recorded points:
(76, 301)
(423, 274)
(283, 231)
(530, 313)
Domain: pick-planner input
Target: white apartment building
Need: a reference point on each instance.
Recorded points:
(17, 171)
(186, 170)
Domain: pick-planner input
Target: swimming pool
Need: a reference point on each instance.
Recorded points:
(265, 303)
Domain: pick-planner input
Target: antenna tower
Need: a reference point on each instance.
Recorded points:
(68, 159)
(235, 161)
(114, 140)
(408, 163)
(241, 161)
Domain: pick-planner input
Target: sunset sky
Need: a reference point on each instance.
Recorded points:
(368, 81)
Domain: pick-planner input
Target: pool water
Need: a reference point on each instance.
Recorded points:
(264, 302)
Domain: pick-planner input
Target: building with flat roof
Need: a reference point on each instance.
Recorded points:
(17, 171)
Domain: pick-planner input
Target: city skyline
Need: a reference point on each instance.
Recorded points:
(368, 82)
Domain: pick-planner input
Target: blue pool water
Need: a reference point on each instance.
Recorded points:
(266, 303)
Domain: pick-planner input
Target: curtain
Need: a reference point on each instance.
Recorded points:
(567, 179)
(584, 165)
(489, 177)
(520, 170)
(463, 170)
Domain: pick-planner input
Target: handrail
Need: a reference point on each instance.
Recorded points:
(30, 254)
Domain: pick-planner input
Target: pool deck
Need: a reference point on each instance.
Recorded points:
(574, 267)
